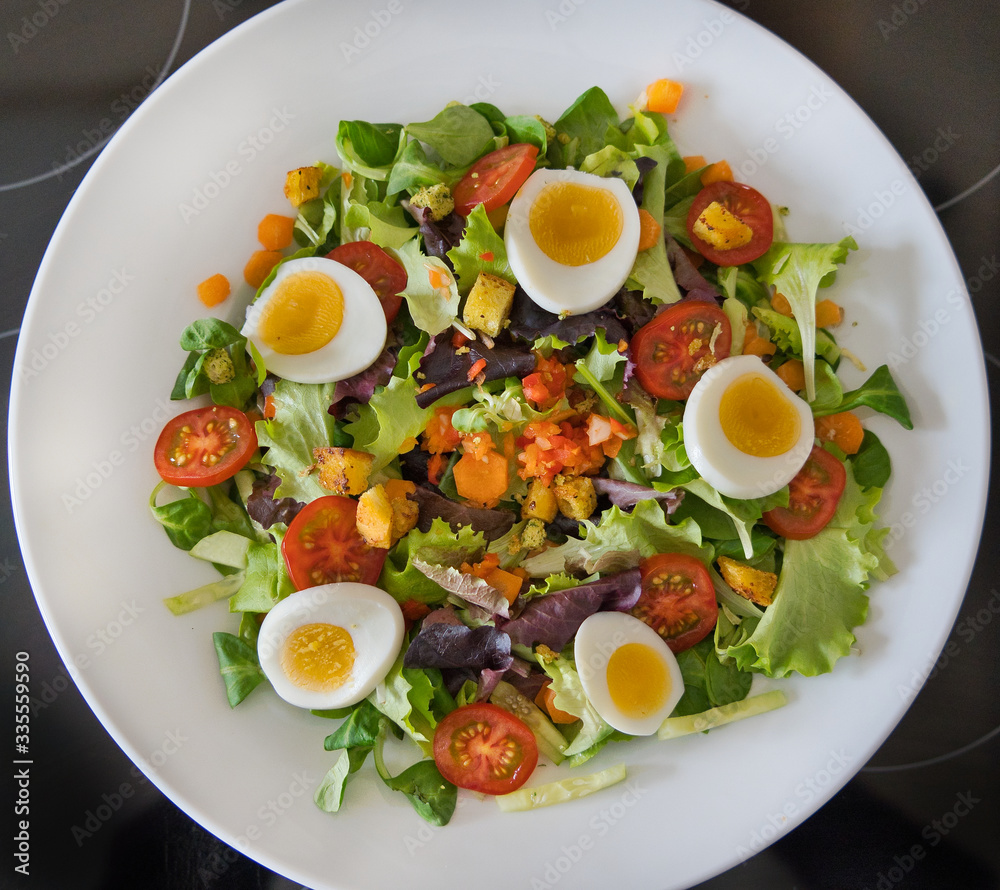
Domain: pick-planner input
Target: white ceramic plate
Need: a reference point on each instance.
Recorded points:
(176, 197)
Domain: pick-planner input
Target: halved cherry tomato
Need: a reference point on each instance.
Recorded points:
(381, 271)
(813, 496)
(495, 178)
(677, 599)
(744, 202)
(205, 446)
(484, 748)
(323, 545)
(672, 351)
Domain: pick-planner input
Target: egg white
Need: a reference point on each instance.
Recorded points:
(372, 618)
(598, 637)
(353, 348)
(728, 470)
(569, 290)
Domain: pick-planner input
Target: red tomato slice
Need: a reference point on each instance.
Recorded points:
(484, 748)
(742, 201)
(381, 271)
(205, 446)
(813, 496)
(495, 178)
(323, 545)
(677, 599)
(672, 351)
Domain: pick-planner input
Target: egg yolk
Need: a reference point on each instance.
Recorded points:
(303, 313)
(318, 657)
(575, 224)
(638, 680)
(757, 417)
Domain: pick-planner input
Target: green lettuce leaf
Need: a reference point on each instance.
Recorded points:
(265, 580)
(432, 310)
(301, 423)
(387, 225)
(620, 540)
(588, 125)
(820, 597)
(651, 272)
(459, 134)
(390, 422)
(439, 545)
(480, 250)
(570, 697)
(369, 149)
(798, 271)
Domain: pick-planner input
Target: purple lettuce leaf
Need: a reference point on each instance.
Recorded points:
(443, 645)
(688, 278)
(628, 494)
(492, 523)
(633, 310)
(528, 321)
(449, 370)
(439, 236)
(645, 165)
(554, 619)
(469, 588)
(361, 387)
(264, 509)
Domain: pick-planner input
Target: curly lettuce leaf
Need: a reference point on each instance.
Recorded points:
(300, 424)
(820, 597)
(620, 540)
(389, 424)
(441, 546)
(570, 697)
(798, 271)
(480, 250)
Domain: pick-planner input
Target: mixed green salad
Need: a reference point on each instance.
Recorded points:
(515, 455)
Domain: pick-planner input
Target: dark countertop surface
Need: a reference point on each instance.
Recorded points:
(923, 813)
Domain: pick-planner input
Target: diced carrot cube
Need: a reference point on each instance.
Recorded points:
(259, 266)
(720, 171)
(214, 290)
(275, 232)
(664, 95)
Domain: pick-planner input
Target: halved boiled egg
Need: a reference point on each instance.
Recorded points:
(571, 239)
(318, 321)
(745, 432)
(330, 646)
(628, 673)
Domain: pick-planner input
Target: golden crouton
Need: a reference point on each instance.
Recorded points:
(436, 198)
(488, 304)
(404, 511)
(575, 497)
(533, 534)
(540, 502)
(385, 513)
(753, 584)
(722, 229)
(302, 185)
(374, 518)
(343, 470)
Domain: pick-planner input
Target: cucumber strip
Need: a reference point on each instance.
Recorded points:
(563, 790)
(675, 727)
(204, 595)
(224, 548)
(551, 742)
